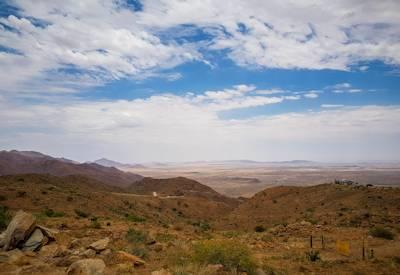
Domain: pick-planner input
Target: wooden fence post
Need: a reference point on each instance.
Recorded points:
(363, 250)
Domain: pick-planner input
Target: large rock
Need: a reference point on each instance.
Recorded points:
(35, 241)
(49, 233)
(2, 238)
(87, 267)
(89, 253)
(20, 227)
(126, 257)
(100, 245)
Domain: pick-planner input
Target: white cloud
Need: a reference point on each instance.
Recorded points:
(311, 95)
(104, 40)
(332, 105)
(188, 127)
(287, 34)
(97, 39)
(344, 88)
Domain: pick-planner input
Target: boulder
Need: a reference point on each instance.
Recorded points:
(100, 245)
(35, 241)
(75, 243)
(49, 251)
(66, 261)
(2, 238)
(87, 267)
(89, 253)
(49, 233)
(106, 252)
(126, 257)
(20, 227)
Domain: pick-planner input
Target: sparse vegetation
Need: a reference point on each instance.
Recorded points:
(381, 232)
(134, 218)
(313, 255)
(259, 228)
(81, 214)
(52, 213)
(94, 223)
(204, 226)
(231, 254)
(136, 236)
(140, 251)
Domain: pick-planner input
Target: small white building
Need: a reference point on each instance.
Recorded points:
(155, 194)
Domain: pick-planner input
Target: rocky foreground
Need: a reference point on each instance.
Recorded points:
(74, 225)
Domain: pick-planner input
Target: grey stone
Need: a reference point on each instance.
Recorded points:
(100, 245)
(35, 241)
(20, 227)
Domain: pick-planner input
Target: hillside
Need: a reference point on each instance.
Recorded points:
(166, 232)
(179, 187)
(23, 162)
(329, 204)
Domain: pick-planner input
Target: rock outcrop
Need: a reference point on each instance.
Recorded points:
(19, 230)
(23, 233)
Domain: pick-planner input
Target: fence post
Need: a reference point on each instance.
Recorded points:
(311, 241)
(322, 241)
(363, 250)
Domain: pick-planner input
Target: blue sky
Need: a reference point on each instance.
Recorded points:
(199, 80)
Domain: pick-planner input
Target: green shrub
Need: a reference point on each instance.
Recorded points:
(259, 228)
(5, 217)
(140, 252)
(231, 254)
(95, 223)
(204, 226)
(164, 237)
(134, 218)
(136, 236)
(313, 255)
(381, 232)
(53, 214)
(81, 213)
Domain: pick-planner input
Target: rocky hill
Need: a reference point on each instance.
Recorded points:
(27, 162)
(333, 204)
(178, 187)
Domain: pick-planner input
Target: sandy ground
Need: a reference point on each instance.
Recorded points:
(246, 180)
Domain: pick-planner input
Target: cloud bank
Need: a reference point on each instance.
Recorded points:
(168, 127)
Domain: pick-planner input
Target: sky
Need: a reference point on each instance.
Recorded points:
(177, 80)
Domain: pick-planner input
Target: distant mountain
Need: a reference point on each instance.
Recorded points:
(27, 162)
(110, 163)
